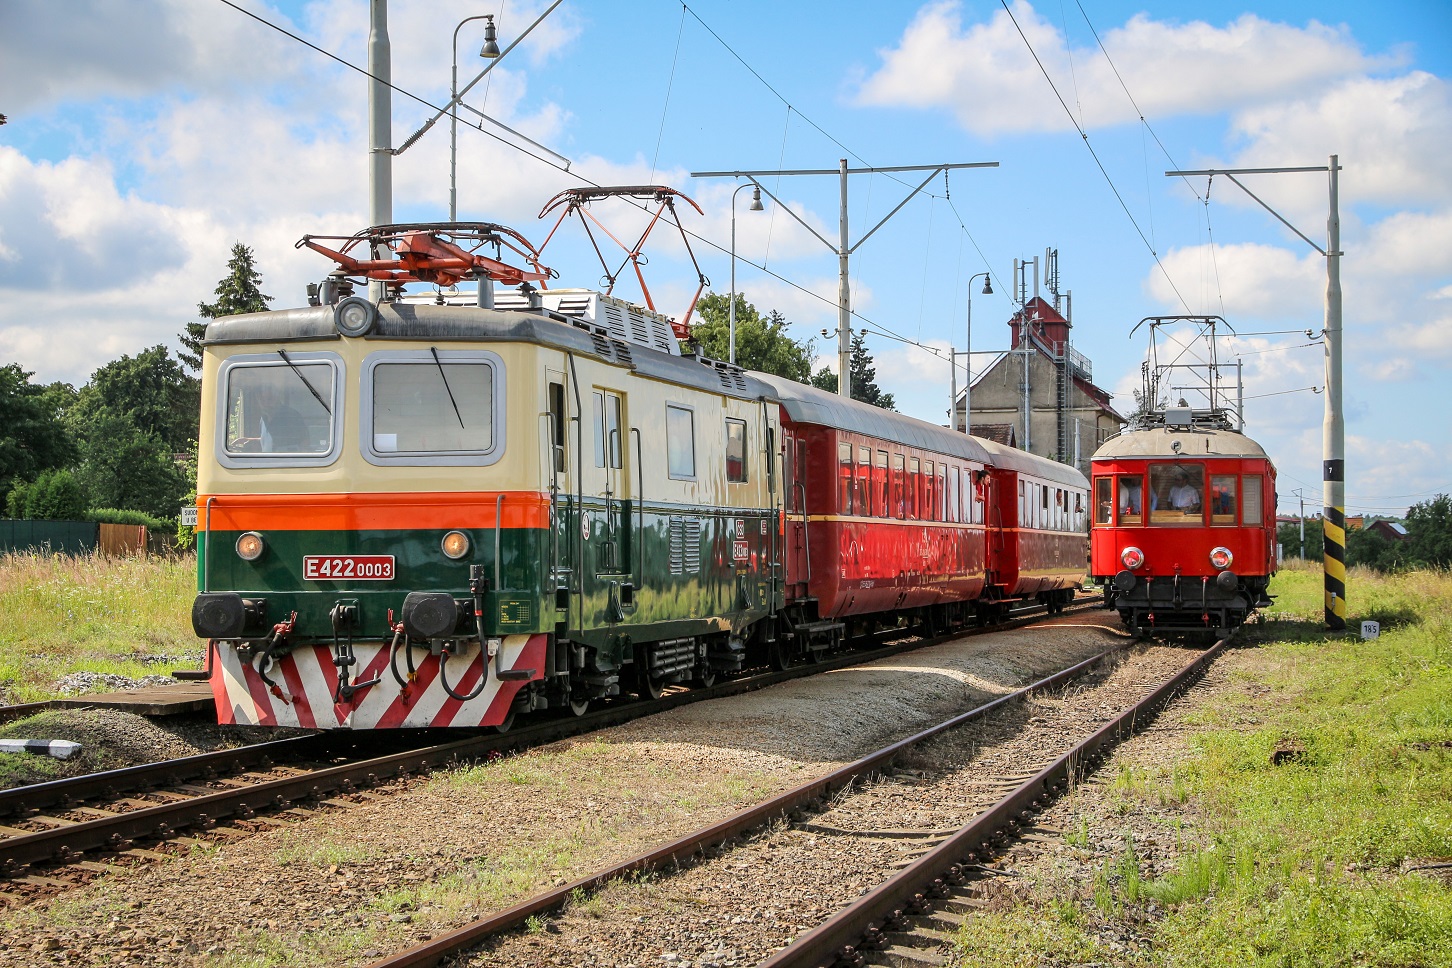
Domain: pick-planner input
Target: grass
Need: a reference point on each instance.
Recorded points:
(1301, 862)
(65, 613)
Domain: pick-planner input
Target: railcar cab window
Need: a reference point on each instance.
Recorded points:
(1251, 511)
(433, 407)
(680, 442)
(279, 409)
(1222, 499)
(735, 451)
(1177, 493)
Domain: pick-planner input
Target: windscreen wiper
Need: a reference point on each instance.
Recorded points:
(447, 389)
(311, 389)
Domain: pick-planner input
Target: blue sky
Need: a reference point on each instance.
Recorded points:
(145, 138)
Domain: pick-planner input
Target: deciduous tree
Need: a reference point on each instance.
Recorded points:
(762, 343)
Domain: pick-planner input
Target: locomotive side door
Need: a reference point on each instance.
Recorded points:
(607, 470)
(556, 438)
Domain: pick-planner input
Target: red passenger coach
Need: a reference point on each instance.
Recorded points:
(1184, 524)
(886, 514)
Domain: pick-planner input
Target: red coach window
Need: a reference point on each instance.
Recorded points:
(899, 504)
(880, 485)
(844, 478)
(862, 499)
(914, 475)
(930, 500)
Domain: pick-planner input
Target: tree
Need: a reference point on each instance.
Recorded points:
(1289, 536)
(56, 495)
(761, 342)
(34, 437)
(124, 466)
(239, 291)
(864, 376)
(151, 390)
(1429, 532)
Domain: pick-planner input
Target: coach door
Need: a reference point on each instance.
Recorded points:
(794, 500)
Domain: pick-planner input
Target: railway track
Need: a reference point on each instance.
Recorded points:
(928, 873)
(58, 835)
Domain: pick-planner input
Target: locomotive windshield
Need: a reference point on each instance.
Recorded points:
(279, 408)
(431, 406)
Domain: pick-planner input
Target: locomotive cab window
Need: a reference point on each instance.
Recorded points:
(432, 407)
(1177, 493)
(735, 450)
(1222, 499)
(279, 409)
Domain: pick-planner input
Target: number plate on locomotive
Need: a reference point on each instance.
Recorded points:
(348, 567)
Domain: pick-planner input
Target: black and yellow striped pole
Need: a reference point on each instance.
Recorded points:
(1333, 473)
(1333, 476)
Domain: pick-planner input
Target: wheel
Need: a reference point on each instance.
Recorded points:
(706, 679)
(505, 726)
(646, 687)
(579, 705)
(777, 657)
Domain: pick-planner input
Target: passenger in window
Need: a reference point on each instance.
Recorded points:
(1130, 495)
(1183, 495)
(281, 429)
(1222, 501)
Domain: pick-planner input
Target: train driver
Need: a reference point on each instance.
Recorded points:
(280, 428)
(1184, 496)
(1131, 497)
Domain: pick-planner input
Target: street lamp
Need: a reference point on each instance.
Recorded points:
(756, 206)
(489, 50)
(967, 361)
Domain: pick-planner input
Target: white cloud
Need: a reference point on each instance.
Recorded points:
(1248, 279)
(987, 76)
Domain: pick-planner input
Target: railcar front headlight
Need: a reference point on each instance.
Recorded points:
(1132, 557)
(1221, 557)
(455, 544)
(250, 546)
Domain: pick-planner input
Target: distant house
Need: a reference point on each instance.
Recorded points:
(1389, 530)
(1068, 416)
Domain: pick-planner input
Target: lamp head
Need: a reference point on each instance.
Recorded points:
(987, 285)
(491, 38)
(756, 205)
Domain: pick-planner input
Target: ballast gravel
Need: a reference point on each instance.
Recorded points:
(344, 886)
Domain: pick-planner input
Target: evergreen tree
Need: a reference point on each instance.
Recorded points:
(864, 376)
(240, 291)
(761, 341)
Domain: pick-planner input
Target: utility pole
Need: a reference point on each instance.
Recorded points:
(844, 248)
(380, 126)
(1333, 426)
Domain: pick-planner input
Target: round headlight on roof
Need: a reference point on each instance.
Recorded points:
(250, 546)
(1132, 557)
(455, 544)
(354, 316)
(1221, 557)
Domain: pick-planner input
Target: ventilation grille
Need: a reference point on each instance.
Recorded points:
(685, 546)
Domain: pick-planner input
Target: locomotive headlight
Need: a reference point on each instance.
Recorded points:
(354, 316)
(250, 546)
(1132, 557)
(1221, 557)
(455, 544)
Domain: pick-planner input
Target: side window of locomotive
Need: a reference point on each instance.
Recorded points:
(556, 402)
(680, 442)
(1222, 499)
(844, 478)
(914, 474)
(598, 425)
(431, 407)
(861, 499)
(1177, 493)
(899, 473)
(735, 450)
(277, 409)
(1251, 509)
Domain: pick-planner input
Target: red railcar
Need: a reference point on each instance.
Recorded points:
(887, 515)
(1184, 531)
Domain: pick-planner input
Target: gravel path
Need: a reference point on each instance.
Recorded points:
(343, 886)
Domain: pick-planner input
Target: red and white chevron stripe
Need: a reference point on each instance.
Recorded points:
(305, 681)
